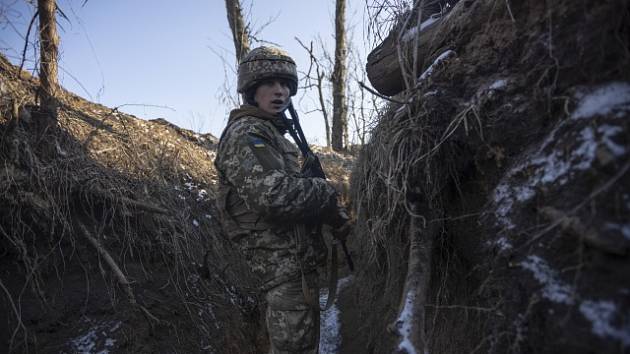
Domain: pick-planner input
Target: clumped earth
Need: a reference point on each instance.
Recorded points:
(507, 175)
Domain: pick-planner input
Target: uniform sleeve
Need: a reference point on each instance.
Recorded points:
(253, 165)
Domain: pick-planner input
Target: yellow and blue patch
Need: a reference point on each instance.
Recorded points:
(264, 153)
(258, 144)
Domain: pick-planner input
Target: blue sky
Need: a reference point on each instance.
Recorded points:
(166, 53)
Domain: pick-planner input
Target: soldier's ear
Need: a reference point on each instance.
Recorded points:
(249, 95)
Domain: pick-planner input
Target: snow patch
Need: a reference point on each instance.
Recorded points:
(608, 131)
(431, 93)
(503, 244)
(330, 324)
(601, 315)
(624, 229)
(557, 159)
(498, 85)
(96, 339)
(504, 202)
(604, 100)
(201, 195)
(405, 327)
(554, 289)
(429, 71)
(411, 33)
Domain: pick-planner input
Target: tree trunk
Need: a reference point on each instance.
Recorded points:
(322, 103)
(240, 34)
(339, 119)
(49, 42)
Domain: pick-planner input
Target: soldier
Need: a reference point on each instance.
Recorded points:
(268, 208)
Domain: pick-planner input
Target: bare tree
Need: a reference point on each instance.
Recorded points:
(360, 107)
(49, 43)
(318, 82)
(339, 118)
(240, 33)
(363, 106)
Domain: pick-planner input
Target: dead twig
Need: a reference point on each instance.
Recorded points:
(144, 206)
(120, 276)
(362, 84)
(20, 324)
(28, 34)
(589, 235)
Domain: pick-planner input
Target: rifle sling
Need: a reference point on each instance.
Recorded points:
(333, 267)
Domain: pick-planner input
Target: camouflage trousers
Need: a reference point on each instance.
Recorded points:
(293, 323)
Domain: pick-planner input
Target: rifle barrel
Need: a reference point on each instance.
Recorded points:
(305, 149)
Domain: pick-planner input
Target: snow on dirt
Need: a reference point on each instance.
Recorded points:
(97, 339)
(504, 244)
(552, 162)
(429, 71)
(554, 288)
(624, 229)
(330, 325)
(601, 315)
(613, 97)
(498, 85)
(405, 327)
(412, 32)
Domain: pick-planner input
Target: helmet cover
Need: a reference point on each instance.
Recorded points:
(266, 63)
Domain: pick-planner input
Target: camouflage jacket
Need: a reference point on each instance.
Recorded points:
(263, 199)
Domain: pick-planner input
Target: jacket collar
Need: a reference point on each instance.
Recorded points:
(247, 110)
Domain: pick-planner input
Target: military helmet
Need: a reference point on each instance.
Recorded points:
(266, 63)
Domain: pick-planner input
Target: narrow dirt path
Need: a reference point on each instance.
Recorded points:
(330, 340)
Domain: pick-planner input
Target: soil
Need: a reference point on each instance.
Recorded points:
(508, 147)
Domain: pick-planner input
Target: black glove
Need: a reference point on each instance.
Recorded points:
(340, 222)
(312, 167)
(338, 217)
(341, 233)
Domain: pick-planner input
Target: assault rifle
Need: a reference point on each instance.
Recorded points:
(312, 167)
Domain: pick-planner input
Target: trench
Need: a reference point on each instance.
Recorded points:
(331, 339)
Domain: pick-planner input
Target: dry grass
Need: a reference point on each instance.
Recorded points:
(137, 194)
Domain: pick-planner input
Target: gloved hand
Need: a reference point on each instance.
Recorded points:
(341, 233)
(338, 217)
(340, 223)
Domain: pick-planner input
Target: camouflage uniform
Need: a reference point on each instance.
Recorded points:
(265, 203)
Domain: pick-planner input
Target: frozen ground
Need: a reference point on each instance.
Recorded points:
(330, 325)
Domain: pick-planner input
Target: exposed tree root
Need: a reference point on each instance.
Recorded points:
(120, 276)
(18, 317)
(414, 296)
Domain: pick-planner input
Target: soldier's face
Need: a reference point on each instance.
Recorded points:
(272, 95)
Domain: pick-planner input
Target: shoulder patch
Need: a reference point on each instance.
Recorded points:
(266, 155)
(256, 142)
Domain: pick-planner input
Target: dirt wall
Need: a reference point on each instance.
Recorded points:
(515, 148)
